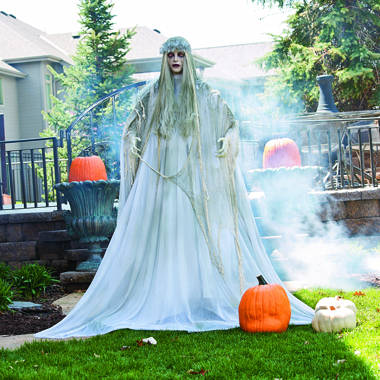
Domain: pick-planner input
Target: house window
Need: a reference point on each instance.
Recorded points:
(1, 92)
(48, 90)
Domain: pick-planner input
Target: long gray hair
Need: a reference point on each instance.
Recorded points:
(170, 112)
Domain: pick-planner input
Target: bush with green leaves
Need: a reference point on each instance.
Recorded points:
(5, 272)
(6, 295)
(32, 279)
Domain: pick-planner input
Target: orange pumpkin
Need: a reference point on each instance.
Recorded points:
(7, 200)
(87, 169)
(281, 153)
(264, 308)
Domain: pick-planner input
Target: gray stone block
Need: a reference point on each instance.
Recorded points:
(18, 251)
(3, 232)
(31, 231)
(371, 193)
(52, 250)
(363, 226)
(76, 280)
(31, 217)
(76, 254)
(22, 305)
(362, 209)
(332, 211)
(14, 232)
(4, 218)
(59, 266)
(48, 255)
(59, 225)
(53, 236)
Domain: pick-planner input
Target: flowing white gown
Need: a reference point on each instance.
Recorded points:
(158, 272)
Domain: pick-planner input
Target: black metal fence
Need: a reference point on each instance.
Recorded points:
(29, 174)
(345, 146)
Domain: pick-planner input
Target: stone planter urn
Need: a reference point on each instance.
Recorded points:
(92, 218)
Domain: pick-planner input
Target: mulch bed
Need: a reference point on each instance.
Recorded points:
(34, 320)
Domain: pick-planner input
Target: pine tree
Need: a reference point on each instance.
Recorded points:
(99, 67)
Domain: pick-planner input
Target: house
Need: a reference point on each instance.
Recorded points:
(26, 83)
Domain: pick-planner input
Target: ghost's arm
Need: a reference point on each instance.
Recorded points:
(130, 149)
(229, 143)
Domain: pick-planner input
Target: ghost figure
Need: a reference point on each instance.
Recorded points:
(186, 245)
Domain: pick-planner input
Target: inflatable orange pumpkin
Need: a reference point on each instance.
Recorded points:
(87, 169)
(281, 153)
(264, 308)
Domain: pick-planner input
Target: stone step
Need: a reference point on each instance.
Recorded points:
(53, 236)
(25, 306)
(76, 280)
(80, 254)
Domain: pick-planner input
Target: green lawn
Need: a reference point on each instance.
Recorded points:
(299, 353)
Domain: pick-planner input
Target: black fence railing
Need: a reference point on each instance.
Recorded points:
(29, 174)
(346, 146)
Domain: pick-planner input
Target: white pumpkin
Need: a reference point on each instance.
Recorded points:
(334, 314)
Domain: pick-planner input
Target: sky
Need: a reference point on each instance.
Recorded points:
(205, 23)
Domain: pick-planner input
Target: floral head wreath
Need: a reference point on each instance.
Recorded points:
(175, 43)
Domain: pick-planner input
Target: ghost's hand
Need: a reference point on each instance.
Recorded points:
(133, 145)
(222, 152)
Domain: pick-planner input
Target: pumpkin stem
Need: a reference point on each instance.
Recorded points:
(261, 280)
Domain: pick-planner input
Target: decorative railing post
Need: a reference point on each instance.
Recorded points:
(326, 98)
(57, 173)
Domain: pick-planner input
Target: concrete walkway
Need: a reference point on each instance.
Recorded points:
(12, 342)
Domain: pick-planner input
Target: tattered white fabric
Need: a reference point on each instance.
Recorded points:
(186, 245)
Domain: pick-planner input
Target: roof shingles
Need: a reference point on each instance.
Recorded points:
(20, 41)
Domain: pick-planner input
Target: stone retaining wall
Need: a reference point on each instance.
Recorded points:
(20, 241)
(357, 209)
(25, 237)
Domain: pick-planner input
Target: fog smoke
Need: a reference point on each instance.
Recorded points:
(302, 247)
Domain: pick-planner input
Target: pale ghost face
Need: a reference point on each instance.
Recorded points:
(175, 60)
